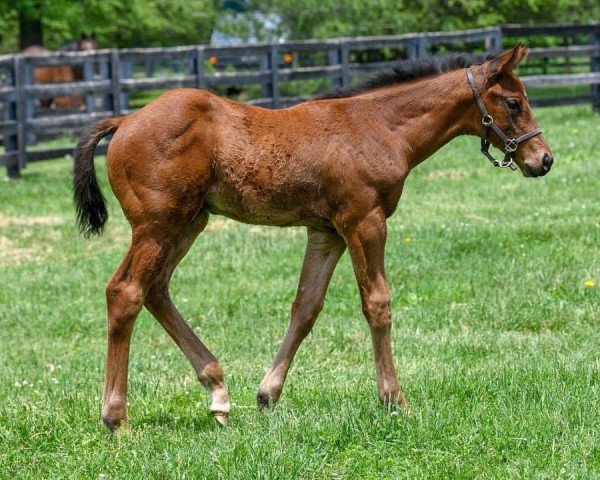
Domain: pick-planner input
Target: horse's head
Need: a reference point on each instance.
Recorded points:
(87, 42)
(511, 125)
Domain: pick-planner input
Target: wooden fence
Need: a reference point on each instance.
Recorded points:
(270, 72)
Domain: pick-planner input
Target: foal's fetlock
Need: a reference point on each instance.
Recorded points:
(212, 379)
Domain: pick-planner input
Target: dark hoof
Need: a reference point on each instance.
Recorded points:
(116, 427)
(264, 401)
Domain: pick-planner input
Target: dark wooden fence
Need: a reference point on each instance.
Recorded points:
(270, 75)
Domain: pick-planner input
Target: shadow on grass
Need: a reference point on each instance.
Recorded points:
(197, 419)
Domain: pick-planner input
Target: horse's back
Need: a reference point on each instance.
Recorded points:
(244, 162)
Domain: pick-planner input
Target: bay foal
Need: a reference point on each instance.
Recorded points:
(336, 165)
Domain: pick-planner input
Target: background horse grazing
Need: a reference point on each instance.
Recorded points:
(335, 165)
(61, 73)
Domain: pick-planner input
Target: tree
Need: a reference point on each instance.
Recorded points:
(30, 26)
(332, 18)
(125, 23)
(116, 23)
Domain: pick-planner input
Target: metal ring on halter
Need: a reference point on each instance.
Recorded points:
(510, 145)
(487, 120)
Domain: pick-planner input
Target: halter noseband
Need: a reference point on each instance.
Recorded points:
(510, 144)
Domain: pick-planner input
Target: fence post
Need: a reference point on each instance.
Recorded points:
(105, 74)
(125, 68)
(11, 142)
(266, 79)
(417, 47)
(88, 76)
(335, 58)
(595, 67)
(199, 68)
(345, 56)
(274, 55)
(411, 49)
(22, 109)
(423, 43)
(493, 43)
(114, 81)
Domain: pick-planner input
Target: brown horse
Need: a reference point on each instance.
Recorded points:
(61, 73)
(335, 165)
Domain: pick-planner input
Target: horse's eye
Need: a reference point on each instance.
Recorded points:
(513, 104)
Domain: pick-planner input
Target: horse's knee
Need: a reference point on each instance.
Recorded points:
(377, 310)
(124, 301)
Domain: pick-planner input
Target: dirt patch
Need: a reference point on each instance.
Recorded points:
(219, 225)
(447, 175)
(276, 232)
(7, 221)
(10, 254)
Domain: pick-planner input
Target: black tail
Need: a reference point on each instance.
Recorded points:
(89, 201)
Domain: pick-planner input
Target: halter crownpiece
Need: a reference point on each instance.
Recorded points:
(510, 144)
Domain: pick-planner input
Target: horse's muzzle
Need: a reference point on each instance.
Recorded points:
(543, 168)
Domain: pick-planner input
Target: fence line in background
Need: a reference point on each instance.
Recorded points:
(109, 75)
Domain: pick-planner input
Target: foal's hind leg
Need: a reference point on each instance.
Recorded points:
(323, 251)
(159, 303)
(125, 295)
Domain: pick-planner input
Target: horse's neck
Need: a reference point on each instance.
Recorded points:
(429, 113)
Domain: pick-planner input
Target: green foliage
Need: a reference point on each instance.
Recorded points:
(496, 301)
(332, 18)
(116, 23)
(126, 23)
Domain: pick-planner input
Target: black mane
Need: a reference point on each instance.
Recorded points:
(406, 71)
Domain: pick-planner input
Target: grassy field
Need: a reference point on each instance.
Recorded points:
(496, 305)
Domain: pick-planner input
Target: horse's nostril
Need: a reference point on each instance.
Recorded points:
(547, 160)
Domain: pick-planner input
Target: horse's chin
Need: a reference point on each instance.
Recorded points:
(531, 171)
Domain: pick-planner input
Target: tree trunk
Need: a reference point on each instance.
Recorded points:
(30, 28)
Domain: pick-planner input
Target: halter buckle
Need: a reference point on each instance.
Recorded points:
(510, 145)
(487, 120)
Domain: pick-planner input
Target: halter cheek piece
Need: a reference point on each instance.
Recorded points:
(510, 144)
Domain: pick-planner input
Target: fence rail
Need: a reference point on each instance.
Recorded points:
(111, 77)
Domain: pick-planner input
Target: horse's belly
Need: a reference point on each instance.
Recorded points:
(266, 206)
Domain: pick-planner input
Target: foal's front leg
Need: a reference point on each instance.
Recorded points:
(323, 251)
(366, 244)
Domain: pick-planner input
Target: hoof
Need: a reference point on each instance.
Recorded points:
(116, 427)
(264, 401)
(394, 400)
(221, 417)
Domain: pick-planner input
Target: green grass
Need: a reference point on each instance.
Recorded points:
(495, 336)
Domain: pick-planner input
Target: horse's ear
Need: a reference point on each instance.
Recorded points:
(506, 62)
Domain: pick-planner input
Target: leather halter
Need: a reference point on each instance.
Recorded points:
(510, 144)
